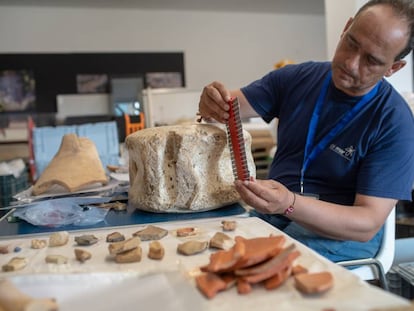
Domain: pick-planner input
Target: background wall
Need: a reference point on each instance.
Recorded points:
(232, 47)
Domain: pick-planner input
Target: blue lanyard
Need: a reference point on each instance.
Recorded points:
(312, 150)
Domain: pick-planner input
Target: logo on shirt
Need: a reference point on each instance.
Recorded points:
(346, 153)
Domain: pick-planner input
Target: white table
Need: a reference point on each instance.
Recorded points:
(101, 284)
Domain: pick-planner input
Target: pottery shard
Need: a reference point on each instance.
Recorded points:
(115, 237)
(151, 233)
(182, 168)
(192, 247)
(14, 264)
(313, 283)
(156, 250)
(221, 240)
(75, 166)
(58, 238)
(86, 239)
(132, 255)
(82, 255)
(120, 247)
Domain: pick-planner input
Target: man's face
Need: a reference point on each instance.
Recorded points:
(367, 50)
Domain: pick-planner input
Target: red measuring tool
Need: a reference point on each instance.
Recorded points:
(235, 141)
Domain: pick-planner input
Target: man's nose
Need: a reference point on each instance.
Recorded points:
(352, 63)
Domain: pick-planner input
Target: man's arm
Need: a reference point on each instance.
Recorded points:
(359, 222)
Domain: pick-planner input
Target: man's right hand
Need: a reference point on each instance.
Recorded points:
(213, 102)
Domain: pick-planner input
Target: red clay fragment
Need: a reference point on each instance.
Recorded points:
(243, 287)
(297, 269)
(259, 249)
(210, 284)
(278, 279)
(225, 260)
(269, 268)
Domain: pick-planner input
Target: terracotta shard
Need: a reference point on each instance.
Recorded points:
(75, 166)
(226, 260)
(243, 287)
(278, 279)
(260, 249)
(210, 284)
(269, 268)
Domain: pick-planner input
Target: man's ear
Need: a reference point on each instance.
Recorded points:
(397, 65)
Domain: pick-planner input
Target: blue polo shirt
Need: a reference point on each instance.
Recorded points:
(373, 155)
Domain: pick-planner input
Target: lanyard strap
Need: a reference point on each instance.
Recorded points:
(312, 150)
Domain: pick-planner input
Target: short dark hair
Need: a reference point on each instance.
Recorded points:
(403, 9)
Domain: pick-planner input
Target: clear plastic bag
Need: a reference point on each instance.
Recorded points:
(62, 212)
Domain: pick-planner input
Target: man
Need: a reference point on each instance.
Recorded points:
(345, 151)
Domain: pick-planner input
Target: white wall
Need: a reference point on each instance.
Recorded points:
(232, 47)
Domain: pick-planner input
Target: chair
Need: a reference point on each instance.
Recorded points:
(376, 268)
(131, 127)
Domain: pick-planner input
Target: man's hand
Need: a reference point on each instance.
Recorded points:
(213, 102)
(266, 196)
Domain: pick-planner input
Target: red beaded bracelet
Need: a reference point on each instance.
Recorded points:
(291, 208)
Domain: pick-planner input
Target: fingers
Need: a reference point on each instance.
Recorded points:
(266, 196)
(213, 102)
(251, 199)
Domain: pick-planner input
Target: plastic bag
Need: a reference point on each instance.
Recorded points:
(62, 212)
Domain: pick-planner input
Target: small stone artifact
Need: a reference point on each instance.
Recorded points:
(82, 255)
(58, 238)
(38, 244)
(115, 237)
(192, 247)
(12, 299)
(229, 225)
(156, 250)
(221, 240)
(14, 264)
(123, 246)
(86, 239)
(132, 255)
(151, 233)
(56, 259)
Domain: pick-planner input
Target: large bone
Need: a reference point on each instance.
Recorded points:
(182, 168)
(12, 299)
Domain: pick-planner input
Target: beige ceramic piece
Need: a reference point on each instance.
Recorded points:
(58, 239)
(123, 246)
(151, 233)
(192, 247)
(82, 255)
(313, 283)
(132, 255)
(12, 299)
(156, 250)
(56, 259)
(75, 166)
(14, 264)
